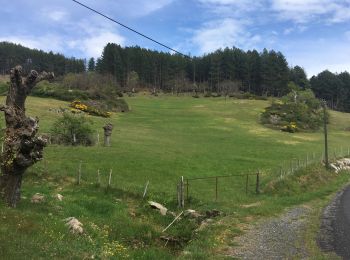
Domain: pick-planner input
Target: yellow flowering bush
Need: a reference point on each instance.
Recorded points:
(291, 127)
(91, 110)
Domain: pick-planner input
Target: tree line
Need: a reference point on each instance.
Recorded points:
(334, 88)
(225, 70)
(31, 59)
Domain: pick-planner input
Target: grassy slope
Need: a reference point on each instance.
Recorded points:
(161, 139)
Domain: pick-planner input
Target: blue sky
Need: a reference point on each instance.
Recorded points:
(314, 34)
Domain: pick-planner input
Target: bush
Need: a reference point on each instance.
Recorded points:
(72, 130)
(55, 90)
(89, 108)
(295, 111)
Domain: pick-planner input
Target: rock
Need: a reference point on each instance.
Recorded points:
(37, 198)
(74, 225)
(58, 197)
(213, 213)
(190, 213)
(155, 205)
(170, 239)
(204, 224)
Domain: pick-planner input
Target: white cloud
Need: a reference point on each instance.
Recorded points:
(303, 11)
(224, 33)
(134, 8)
(93, 46)
(56, 15)
(231, 8)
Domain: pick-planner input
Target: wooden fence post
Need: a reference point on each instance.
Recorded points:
(145, 191)
(79, 173)
(178, 195)
(257, 188)
(187, 189)
(98, 177)
(246, 184)
(182, 192)
(216, 188)
(110, 178)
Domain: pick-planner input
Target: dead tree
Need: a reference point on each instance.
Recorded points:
(22, 148)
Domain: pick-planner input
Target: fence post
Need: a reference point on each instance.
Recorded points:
(187, 190)
(178, 195)
(79, 173)
(110, 178)
(98, 177)
(216, 188)
(246, 184)
(145, 191)
(257, 188)
(182, 192)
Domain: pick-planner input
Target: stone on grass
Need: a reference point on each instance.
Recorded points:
(155, 205)
(37, 198)
(191, 213)
(59, 197)
(74, 225)
(204, 224)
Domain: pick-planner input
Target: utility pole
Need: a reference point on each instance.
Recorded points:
(324, 106)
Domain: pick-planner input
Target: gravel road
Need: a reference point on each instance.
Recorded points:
(274, 238)
(335, 225)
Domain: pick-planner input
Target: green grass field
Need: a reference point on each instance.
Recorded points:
(159, 140)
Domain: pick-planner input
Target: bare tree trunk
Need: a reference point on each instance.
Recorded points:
(21, 146)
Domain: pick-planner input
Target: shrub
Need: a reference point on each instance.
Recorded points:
(295, 111)
(89, 108)
(55, 90)
(72, 130)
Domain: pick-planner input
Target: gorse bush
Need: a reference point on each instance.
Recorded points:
(72, 129)
(299, 110)
(89, 108)
(95, 87)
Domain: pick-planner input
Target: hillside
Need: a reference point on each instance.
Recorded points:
(161, 139)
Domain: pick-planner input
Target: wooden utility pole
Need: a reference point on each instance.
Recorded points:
(324, 106)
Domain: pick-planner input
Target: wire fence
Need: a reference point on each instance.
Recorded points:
(234, 187)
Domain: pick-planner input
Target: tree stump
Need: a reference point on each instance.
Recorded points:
(107, 134)
(22, 148)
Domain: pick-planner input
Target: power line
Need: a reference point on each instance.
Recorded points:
(127, 27)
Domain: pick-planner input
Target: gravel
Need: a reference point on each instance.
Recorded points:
(275, 238)
(335, 225)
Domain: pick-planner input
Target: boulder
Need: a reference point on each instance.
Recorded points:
(74, 225)
(155, 205)
(37, 198)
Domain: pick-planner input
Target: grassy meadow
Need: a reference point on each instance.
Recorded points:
(161, 139)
